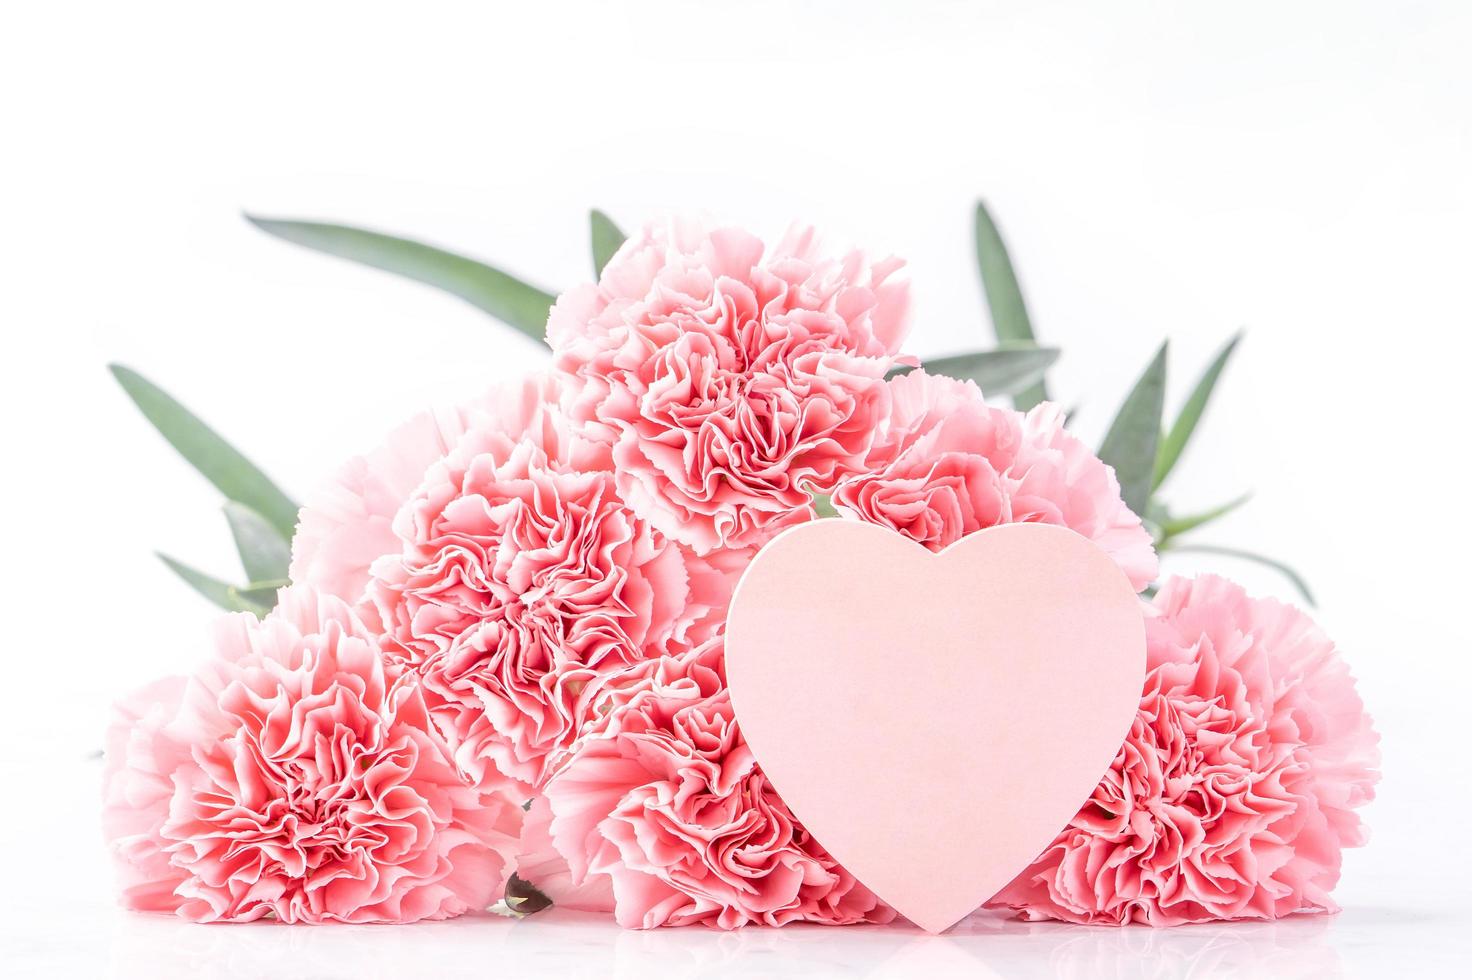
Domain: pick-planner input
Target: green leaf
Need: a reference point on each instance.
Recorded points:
(264, 553)
(823, 505)
(261, 594)
(1004, 371)
(1282, 569)
(236, 477)
(257, 598)
(1172, 526)
(1004, 297)
(503, 296)
(1129, 446)
(1175, 441)
(606, 239)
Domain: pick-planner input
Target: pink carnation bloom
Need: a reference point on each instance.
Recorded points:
(730, 380)
(949, 464)
(348, 522)
(1235, 790)
(296, 777)
(519, 580)
(141, 756)
(665, 801)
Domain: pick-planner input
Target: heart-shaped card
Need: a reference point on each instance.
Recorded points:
(934, 719)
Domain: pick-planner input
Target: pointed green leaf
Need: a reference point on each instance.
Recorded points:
(1006, 371)
(1175, 441)
(262, 594)
(606, 239)
(264, 553)
(257, 598)
(503, 296)
(823, 505)
(1172, 526)
(1279, 567)
(996, 372)
(236, 477)
(1004, 297)
(1129, 446)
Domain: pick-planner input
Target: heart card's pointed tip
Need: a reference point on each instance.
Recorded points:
(935, 925)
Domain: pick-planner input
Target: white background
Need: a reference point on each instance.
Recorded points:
(1160, 170)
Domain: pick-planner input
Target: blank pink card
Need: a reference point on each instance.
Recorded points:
(934, 719)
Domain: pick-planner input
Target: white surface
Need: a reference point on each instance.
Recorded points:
(1300, 169)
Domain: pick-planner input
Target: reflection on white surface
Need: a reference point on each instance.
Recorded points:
(566, 944)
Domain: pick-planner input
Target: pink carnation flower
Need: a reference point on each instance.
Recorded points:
(520, 580)
(348, 522)
(730, 380)
(664, 800)
(1235, 790)
(296, 777)
(949, 464)
(141, 756)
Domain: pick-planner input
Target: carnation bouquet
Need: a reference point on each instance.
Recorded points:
(485, 665)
